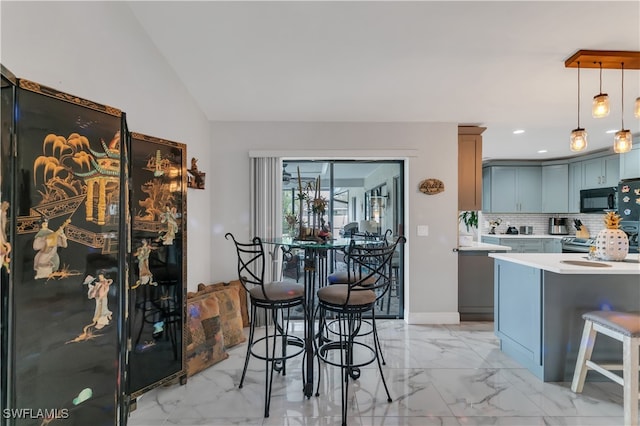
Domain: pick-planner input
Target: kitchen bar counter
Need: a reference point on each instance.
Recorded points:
(524, 236)
(476, 246)
(553, 262)
(539, 302)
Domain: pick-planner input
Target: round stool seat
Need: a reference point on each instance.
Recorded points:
(277, 291)
(337, 295)
(344, 277)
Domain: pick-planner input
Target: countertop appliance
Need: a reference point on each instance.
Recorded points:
(629, 200)
(526, 230)
(512, 230)
(558, 226)
(598, 200)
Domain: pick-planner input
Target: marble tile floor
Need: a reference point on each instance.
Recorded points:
(438, 375)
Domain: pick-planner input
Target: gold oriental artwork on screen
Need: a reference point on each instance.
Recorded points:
(5, 245)
(69, 174)
(158, 212)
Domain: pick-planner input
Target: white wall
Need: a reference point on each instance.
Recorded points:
(432, 294)
(97, 51)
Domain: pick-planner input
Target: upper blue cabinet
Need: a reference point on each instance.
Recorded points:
(630, 164)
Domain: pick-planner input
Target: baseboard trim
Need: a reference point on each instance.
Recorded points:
(432, 317)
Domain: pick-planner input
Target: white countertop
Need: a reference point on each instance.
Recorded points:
(476, 246)
(524, 236)
(552, 262)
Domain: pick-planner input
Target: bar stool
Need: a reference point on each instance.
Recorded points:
(624, 327)
(348, 302)
(274, 298)
(361, 271)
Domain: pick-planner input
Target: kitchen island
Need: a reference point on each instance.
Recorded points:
(539, 302)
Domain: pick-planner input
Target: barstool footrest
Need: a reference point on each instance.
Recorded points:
(294, 341)
(604, 370)
(328, 347)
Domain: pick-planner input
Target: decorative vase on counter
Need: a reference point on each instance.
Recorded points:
(612, 243)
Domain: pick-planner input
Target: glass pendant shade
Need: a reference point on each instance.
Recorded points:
(622, 142)
(636, 110)
(578, 140)
(600, 107)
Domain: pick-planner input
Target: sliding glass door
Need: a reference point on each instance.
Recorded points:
(361, 197)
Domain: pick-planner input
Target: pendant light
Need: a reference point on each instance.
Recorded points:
(600, 107)
(622, 142)
(578, 135)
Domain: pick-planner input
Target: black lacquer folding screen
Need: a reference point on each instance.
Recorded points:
(157, 285)
(63, 289)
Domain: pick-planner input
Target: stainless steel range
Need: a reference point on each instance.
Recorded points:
(581, 245)
(632, 228)
(577, 245)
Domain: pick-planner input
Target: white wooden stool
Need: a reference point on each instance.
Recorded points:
(624, 327)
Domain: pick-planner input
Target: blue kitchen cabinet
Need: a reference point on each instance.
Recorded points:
(552, 245)
(575, 185)
(486, 189)
(601, 172)
(555, 188)
(630, 164)
(518, 312)
(525, 245)
(515, 189)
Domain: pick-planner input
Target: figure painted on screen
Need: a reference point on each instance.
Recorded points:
(169, 217)
(46, 242)
(5, 245)
(144, 273)
(99, 290)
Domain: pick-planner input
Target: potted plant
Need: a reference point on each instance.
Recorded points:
(470, 221)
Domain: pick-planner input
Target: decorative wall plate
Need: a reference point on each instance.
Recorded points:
(431, 186)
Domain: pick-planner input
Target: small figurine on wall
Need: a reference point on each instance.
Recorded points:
(46, 242)
(195, 178)
(144, 273)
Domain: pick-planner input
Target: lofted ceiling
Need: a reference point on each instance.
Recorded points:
(498, 64)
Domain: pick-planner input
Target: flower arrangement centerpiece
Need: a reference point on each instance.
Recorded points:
(316, 207)
(292, 221)
(612, 243)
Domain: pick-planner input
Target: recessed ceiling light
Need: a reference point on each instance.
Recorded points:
(542, 151)
(518, 132)
(611, 131)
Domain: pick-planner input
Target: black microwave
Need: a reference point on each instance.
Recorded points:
(598, 200)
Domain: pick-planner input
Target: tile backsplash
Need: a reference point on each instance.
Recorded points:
(540, 222)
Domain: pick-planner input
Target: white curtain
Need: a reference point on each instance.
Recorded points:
(266, 207)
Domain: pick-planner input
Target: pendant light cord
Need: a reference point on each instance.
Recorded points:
(622, 95)
(600, 77)
(578, 94)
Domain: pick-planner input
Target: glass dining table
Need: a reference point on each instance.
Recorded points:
(316, 267)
